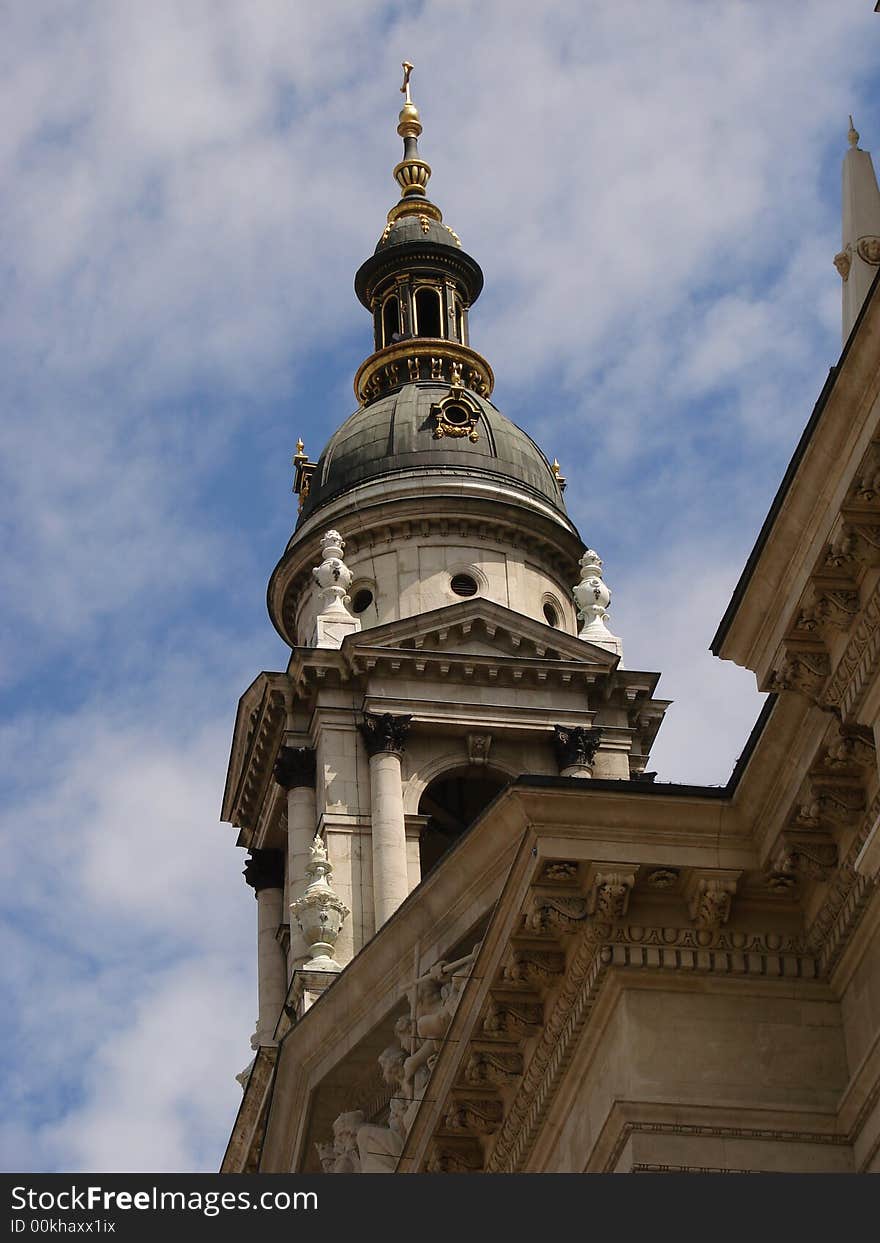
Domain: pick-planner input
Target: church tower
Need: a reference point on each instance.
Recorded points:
(447, 627)
(487, 940)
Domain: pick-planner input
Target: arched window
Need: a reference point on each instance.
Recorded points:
(390, 319)
(428, 320)
(453, 801)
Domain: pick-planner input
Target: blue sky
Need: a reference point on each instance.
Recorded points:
(187, 190)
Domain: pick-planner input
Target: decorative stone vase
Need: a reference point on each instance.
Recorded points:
(320, 912)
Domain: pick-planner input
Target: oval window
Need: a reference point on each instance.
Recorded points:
(457, 416)
(551, 615)
(362, 600)
(463, 585)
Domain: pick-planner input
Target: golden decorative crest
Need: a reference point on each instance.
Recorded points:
(456, 415)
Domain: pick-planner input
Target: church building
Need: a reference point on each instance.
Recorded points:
(488, 940)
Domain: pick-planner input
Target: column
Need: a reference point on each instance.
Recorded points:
(295, 772)
(264, 871)
(576, 749)
(385, 736)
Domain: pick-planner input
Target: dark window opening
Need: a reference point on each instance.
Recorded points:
(457, 415)
(551, 615)
(428, 313)
(464, 585)
(362, 600)
(390, 320)
(452, 803)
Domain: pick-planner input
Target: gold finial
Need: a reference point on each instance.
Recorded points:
(412, 173)
(853, 134)
(407, 71)
(300, 455)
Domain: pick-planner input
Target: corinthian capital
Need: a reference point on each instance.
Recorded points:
(575, 746)
(264, 869)
(382, 731)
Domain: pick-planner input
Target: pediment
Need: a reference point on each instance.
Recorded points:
(480, 627)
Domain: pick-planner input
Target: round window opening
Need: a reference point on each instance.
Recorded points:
(457, 416)
(551, 615)
(362, 600)
(464, 585)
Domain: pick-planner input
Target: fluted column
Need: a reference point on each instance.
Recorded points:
(295, 771)
(264, 871)
(385, 736)
(575, 749)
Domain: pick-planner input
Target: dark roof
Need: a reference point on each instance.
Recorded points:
(395, 434)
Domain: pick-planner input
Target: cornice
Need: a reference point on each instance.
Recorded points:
(259, 726)
(809, 498)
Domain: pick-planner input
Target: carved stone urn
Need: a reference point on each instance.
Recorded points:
(593, 597)
(319, 912)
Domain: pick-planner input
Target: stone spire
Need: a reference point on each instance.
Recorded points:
(857, 262)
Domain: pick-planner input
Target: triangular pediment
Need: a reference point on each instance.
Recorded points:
(480, 627)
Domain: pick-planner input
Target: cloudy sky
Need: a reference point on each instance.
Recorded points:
(187, 189)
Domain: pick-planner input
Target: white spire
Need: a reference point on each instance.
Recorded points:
(857, 262)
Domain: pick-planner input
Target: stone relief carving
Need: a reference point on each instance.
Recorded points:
(558, 871)
(362, 1147)
(831, 607)
(662, 878)
(711, 900)
(556, 914)
(801, 671)
(609, 894)
(843, 261)
(869, 250)
(478, 748)
(529, 965)
(809, 855)
(849, 750)
(511, 1019)
(478, 1117)
(496, 1067)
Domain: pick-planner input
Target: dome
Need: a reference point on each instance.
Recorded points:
(398, 433)
(417, 228)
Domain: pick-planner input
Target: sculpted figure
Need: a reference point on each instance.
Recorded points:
(345, 1130)
(326, 1155)
(380, 1146)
